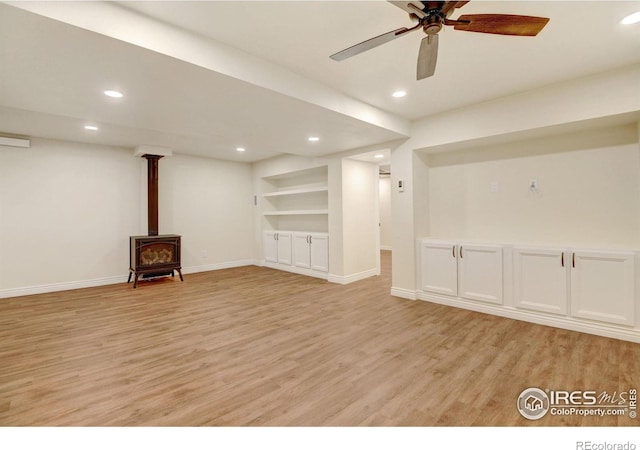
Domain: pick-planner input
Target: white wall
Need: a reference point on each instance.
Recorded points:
(67, 210)
(360, 215)
(209, 203)
(588, 197)
(554, 109)
(385, 212)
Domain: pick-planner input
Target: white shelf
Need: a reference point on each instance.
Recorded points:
(297, 191)
(298, 212)
(296, 201)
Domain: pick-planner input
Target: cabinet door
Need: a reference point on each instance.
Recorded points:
(301, 250)
(480, 272)
(284, 247)
(270, 246)
(438, 266)
(540, 279)
(602, 286)
(319, 252)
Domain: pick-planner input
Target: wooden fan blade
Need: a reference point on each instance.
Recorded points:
(371, 43)
(448, 7)
(506, 24)
(428, 56)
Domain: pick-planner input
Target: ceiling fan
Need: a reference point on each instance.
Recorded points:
(432, 16)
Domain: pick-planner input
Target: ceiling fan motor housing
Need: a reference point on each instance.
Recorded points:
(432, 23)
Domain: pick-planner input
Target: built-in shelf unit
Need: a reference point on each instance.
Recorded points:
(296, 201)
(295, 221)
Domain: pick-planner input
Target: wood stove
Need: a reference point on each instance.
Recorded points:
(153, 255)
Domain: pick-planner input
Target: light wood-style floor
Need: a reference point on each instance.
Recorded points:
(255, 346)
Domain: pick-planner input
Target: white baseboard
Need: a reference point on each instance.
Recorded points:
(69, 285)
(298, 270)
(599, 329)
(353, 277)
(65, 286)
(385, 247)
(403, 293)
(218, 266)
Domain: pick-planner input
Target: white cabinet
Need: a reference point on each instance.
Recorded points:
(319, 252)
(301, 250)
(480, 272)
(277, 247)
(596, 285)
(311, 251)
(470, 271)
(602, 286)
(270, 246)
(540, 278)
(305, 253)
(593, 291)
(439, 267)
(297, 201)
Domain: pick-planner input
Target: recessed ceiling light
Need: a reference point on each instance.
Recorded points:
(631, 18)
(91, 127)
(314, 139)
(399, 94)
(240, 149)
(114, 94)
(379, 156)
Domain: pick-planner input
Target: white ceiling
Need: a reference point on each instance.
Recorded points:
(582, 37)
(52, 73)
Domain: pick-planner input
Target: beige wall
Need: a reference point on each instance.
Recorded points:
(587, 197)
(67, 210)
(385, 212)
(360, 216)
(209, 202)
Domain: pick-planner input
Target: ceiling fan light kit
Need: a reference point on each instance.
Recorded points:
(433, 16)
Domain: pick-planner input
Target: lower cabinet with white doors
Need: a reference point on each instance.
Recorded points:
(594, 285)
(595, 291)
(464, 270)
(311, 251)
(305, 253)
(277, 247)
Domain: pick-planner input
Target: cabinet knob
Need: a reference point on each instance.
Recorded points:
(461, 252)
(573, 260)
(562, 259)
(453, 251)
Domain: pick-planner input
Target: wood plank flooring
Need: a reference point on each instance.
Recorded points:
(260, 347)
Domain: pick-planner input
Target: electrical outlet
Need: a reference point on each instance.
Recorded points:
(533, 185)
(495, 187)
